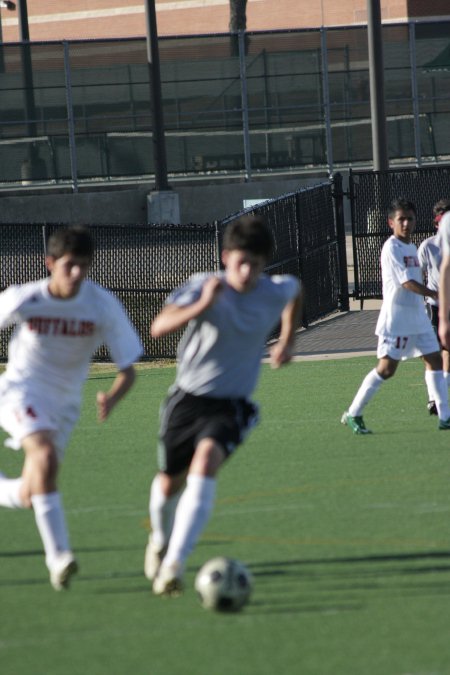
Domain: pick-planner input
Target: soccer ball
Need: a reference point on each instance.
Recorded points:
(224, 585)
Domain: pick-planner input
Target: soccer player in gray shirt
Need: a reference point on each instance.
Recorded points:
(208, 411)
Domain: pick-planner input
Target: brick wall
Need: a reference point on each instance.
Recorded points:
(85, 19)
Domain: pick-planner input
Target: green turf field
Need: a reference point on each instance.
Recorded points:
(348, 539)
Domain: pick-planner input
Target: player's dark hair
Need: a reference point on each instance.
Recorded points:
(442, 206)
(75, 240)
(249, 233)
(401, 204)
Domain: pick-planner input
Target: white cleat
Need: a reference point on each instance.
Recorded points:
(153, 558)
(169, 580)
(62, 569)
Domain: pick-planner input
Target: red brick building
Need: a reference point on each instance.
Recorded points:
(80, 19)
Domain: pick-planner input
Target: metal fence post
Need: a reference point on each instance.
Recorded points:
(415, 92)
(158, 134)
(244, 104)
(326, 99)
(376, 78)
(70, 118)
(45, 236)
(218, 249)
(338, 199)
(304, 318)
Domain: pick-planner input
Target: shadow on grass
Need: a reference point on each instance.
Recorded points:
(392, 557)
(323, 585)
(348, 583)
(20, 554)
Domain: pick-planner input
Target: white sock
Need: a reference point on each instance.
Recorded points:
(9, 492)
(430, 389)
(447, 377)
(192, 514)
(50, 521)
(162, 513)
(438, 392)
(369, 387)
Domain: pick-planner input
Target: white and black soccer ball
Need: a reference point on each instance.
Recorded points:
(224, 585)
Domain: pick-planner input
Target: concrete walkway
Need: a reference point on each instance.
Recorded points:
(344, 334)
(339, 336)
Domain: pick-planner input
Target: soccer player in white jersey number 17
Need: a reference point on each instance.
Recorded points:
(404, 329)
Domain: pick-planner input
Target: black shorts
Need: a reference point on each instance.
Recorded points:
(185, 419)
(433, 313)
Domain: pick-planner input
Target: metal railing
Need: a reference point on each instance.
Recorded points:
(78, 112)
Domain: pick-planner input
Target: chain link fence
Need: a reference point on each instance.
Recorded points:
(306, 233)
(142, 264)
(371, 193)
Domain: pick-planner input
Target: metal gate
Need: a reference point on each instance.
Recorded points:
(370, 194)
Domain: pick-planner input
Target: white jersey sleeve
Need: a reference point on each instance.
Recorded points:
(54, 340)
(430, 259)
(399, 264)
(444, 231)
(422, 255)
(402, 311)
(10, 301)
(119, 335)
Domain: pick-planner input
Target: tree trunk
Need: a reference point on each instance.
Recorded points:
(238, 17)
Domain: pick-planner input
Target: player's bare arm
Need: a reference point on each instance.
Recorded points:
(173, 317)
(281, 352)
(415, 287)
(106, 400)
(444, 302)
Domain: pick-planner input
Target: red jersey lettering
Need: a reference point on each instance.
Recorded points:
(56, 326)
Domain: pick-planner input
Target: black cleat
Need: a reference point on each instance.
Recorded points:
(431, 406)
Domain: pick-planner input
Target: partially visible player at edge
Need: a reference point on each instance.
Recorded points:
(60, 322)
(430, 258)
(208, 410)
(444, 282)
(403, 328)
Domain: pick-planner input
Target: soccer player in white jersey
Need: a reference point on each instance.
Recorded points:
(430, 258)
(403, 328)
(59, 322)
(229, 316)
(444, 282)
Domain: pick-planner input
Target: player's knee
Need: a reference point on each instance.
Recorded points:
(44, 462)
(386, 372)
(386, 368)
(25, 496)
(171, 484)
(208, 457)
(433, 361)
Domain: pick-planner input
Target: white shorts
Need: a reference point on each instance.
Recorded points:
(402, 347)
(23, 412)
